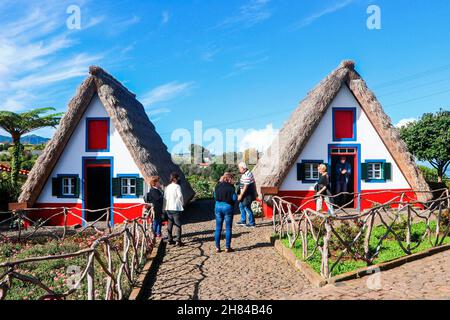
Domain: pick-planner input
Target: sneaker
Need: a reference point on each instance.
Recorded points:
(171, 242)
(240, 224)
(229, 250)
(218, 250)
(250, 226)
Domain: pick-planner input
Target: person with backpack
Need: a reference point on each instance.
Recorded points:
(323, 191)
(247, 194)
(225, 197)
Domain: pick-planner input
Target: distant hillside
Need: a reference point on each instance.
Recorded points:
(30, 139)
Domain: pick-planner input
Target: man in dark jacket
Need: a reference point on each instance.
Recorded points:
(155, 198)
(343, 172)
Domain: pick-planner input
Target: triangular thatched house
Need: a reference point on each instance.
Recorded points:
(340, 120)
(102, 155)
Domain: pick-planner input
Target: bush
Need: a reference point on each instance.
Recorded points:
(347, 232)
(203, 187)
(8, 194)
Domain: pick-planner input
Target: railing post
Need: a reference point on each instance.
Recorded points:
(90, 278)
(408, 229)
(368, 235)
(65, 223)
(325, 266)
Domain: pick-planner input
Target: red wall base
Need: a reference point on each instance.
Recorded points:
(76, 213)
(367, 196)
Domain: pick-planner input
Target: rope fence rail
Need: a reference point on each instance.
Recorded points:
(361, 235)
(97, 261)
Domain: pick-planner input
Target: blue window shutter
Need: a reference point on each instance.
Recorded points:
(364, 173)
(56, 187)
(139, 187)
(116, 187)
(300, 171)
(387, 171)
(77, 187)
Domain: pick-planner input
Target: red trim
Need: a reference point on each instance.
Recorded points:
(354, 168)
(99, 165)
(72, 219)
(75, 219)
(379, 196)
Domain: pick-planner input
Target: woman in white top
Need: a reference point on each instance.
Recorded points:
(173, 204)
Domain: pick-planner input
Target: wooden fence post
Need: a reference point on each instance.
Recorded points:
(90, 278)
(325, 249)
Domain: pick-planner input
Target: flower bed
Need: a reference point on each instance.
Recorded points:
(59, 274)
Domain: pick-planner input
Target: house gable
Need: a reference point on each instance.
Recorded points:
(70, 161)
(366, 138)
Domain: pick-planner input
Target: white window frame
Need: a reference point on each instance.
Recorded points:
(310, 173)
(126, 186)
(374, 173)
(68, 183)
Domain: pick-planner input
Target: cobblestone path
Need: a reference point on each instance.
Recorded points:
(256, 271)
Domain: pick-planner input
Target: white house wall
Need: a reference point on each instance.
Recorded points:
(70, 161)
(372, 147)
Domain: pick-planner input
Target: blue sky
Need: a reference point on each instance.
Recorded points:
(231, 64)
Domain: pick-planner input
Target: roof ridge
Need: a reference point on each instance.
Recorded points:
(100, 73)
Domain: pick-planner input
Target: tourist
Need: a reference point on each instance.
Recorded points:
(174, 207)
(155, 199)
(226, 197)
(343, 172)
(247, 194)
(323, 190)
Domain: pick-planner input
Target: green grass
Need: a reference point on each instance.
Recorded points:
(390, 249)
(54, 273)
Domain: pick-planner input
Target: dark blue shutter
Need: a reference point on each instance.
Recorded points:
(300, 171)
(387, 171)
(139, 187)
(116, 187)
(364, 173)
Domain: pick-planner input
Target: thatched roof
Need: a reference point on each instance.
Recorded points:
(129, 118)
(273, 167)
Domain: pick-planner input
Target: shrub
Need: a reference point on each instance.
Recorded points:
(203, 187)
(347, 232)
(8, 193)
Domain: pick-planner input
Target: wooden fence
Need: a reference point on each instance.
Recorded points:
(129, 243)
(296, 222)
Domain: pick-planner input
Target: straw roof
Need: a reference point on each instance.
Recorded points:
(273, 167)
(129, 118)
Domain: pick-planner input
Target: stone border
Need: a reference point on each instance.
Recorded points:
(143, 277)
(318, 281)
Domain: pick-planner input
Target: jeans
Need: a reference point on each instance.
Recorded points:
(341, 186)
(224, 212)
(319, 202)
(174, 218)
(246, 210)
(157, 227)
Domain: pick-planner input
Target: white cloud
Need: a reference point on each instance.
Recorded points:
(329, 10)
(255, 11)
(33, 59)
(165, 17)
(404, 122)
(166, 92)
(242, 66)
(209, 53)
(258, 139)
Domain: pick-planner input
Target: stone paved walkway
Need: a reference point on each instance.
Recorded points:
(256, 271)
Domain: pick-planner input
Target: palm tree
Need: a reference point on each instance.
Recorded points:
(18, 124)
